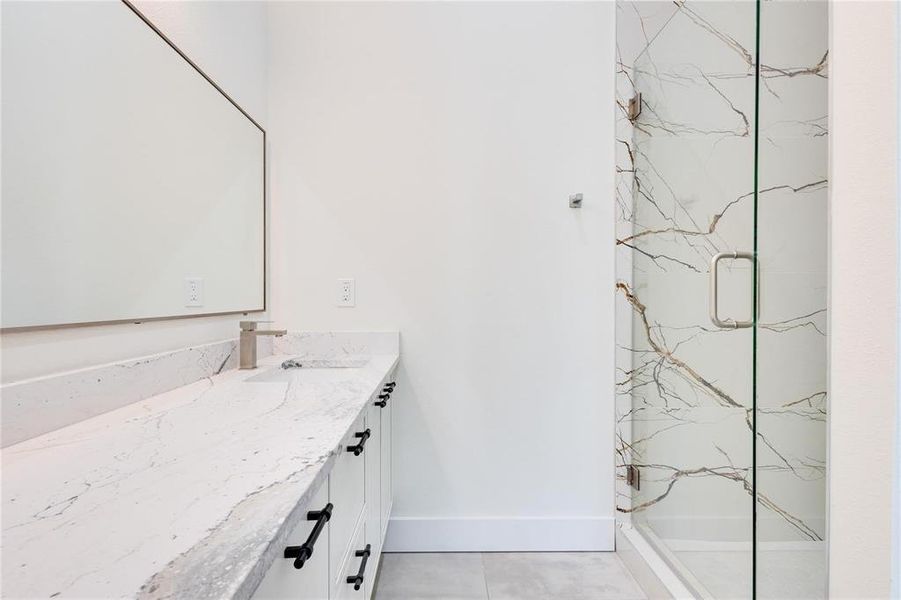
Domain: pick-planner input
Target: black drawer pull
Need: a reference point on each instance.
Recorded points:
(389, 387)
(383, 400)
(357, 579)
(358, 449)
(302, 553)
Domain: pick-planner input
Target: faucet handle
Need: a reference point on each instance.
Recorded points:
(251, 325)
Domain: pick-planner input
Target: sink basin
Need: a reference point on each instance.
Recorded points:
(310, 370)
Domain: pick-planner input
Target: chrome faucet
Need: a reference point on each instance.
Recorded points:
(248, 342)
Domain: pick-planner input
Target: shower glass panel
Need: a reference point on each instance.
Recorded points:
(791, 333)
(693, 199)
(721, 417)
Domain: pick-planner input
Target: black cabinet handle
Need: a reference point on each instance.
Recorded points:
(357, 579)
(358, 449)
(389, 387)
(302, 553)
(383, 400)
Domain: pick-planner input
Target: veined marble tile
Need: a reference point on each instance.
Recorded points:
(35, 406)
(336, 344)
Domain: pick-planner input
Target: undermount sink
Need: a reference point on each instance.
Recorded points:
(309, 369)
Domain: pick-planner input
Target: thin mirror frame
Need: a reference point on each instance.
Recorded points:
(139, 320)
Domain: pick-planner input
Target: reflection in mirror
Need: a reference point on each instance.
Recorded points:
(133, 188)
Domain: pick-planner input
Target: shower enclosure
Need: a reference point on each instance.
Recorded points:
(721, 290)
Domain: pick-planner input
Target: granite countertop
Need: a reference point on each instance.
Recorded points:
(189, 494)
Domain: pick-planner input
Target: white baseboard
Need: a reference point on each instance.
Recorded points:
(500, 534)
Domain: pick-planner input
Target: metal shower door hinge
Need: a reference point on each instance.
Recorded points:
(634, 108)
(633, 476)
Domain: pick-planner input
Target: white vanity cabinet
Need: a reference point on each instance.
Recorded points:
(358, 492)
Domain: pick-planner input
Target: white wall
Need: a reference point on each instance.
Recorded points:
(864, 292)
(225, 38)
(428, 150)
(228, 41)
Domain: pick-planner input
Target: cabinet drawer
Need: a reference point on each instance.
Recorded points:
(355, 564)
(311, 581)
(347, 493)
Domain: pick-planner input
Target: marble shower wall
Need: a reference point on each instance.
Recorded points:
(684, 192)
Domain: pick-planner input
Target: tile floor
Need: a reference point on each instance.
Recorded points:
(506, 576)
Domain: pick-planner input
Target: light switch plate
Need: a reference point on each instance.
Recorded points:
(347, 296)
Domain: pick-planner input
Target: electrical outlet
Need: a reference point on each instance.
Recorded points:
(346, 294)
(193, 291)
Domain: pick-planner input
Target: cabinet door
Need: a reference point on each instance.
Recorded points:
(386, 492)
(347, 493)
(373, 479)
(353, 565)
(310, 582)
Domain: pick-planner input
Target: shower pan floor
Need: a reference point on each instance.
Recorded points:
(781, 573)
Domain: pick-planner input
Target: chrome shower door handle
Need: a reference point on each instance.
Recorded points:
(729, 323)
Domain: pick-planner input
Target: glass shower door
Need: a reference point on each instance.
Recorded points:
(692, 224)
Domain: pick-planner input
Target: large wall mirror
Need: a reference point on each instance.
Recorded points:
(132, 186)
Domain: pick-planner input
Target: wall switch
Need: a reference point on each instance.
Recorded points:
(193, 291)
(346, 293)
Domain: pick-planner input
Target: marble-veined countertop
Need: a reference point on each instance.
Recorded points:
(187, 494)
